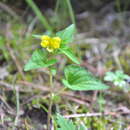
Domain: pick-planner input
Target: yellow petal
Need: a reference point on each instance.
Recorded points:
(44, 43)
(50, 49)
(45, 37)
(55, 42)
(57, 39)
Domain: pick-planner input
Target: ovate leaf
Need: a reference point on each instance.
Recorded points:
(67, 34)
(68, 52)
(78, 78)
(50, 62)
(39, 60)
(64, 124)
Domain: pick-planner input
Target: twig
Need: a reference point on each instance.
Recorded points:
(17, 107)
(15, 60)
(10, 110)
(36, 86)
(74, 99)
(94, 98)
(89, 115)
(69, 95)
(34, 97)
(8, 86)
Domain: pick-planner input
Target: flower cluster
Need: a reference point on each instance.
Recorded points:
(50, 43)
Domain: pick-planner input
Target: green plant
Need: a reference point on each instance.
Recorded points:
(76, 77)
(118, 78)
(65, 124)
(3, 48)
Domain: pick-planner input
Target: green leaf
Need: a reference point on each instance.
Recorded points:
(67, 34)
(68, 52)
(50, 62)
(64, 124)
(82, 127)
(53, 71)
(37, 36)
(39, 60)
(110, 76)
(118, 78)
(78, 78)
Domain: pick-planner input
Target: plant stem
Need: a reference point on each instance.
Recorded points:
(57, 6)
(50, 103)
(40, 15)
(71, 11)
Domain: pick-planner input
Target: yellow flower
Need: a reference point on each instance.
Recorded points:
(50, 43)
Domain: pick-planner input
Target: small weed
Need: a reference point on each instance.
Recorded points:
(76, 77)
(118, 78)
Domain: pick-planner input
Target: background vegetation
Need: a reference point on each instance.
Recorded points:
(102, 44)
